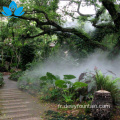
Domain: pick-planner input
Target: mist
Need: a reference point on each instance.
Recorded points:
(66, 64)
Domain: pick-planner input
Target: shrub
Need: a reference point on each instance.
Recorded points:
(12, 70)
(15, 76)
(2, 68)
(98, 81)
(52, 115)
(107, 83)
(88, 109)
(1, 80)
(65, 88)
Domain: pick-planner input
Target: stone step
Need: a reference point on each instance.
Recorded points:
(10, 94)
(15, 110)
(17, 113)
(13, 107)
(9, 89)
(32, 118)
(10, 101)
(14, 103)
(12, 98)
(15, 116)
(18, 105)
(25, 118)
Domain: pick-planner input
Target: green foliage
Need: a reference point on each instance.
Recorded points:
(76, 46)
(87, 109)
(52, 115)
(4, 3)
(67, 95)
(69, 77)
(15, 76)
(27, 55)
(48, 78)
(77, 85)
(12, 70)
(1, 80)
(60, 83)
(107, 83)
(2, 68)
(61, 86)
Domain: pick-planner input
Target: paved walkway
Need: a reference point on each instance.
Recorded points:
(18, 105)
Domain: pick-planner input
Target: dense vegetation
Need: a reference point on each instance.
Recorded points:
(1, 80)
(39, 29)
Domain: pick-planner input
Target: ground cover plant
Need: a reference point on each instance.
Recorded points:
(53, 88)
(52, 115)
(63, 90)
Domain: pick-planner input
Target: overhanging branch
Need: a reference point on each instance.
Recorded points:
(78, 11)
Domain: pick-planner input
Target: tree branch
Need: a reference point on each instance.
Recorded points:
(110, 6)
(57, 28)
(78, 11)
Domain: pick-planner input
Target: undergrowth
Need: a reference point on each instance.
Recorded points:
(52, 115)
(15, 76)
(1, 80)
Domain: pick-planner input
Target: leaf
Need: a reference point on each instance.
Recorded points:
(43, 78)
(50, 76)
(79, 85)
(115, 80)
(7, 11)
(18, 11)
(69, 82)
(69, 77)
(43, 84)
(60, 84)
(13, 4)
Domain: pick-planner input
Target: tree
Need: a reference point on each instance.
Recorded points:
(44, 14)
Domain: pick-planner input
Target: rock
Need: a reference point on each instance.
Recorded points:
(83, 92)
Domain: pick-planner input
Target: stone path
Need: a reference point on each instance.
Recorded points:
(18, 105)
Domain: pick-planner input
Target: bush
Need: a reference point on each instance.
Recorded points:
(15, 76)
(1, 80)
(12, 71)
(107, 83)
(98, 81)
(63, 90)
(52, 115)
(88, 109)
(2, 68)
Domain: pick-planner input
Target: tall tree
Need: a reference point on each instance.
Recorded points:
(44, 14)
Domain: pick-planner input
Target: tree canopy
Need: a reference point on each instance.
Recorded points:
(41, 17)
